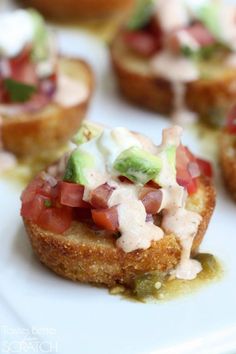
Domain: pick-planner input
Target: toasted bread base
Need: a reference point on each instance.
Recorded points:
(79, 9)
(52, 126)
(81, 254)
(210, 98)
(227, 156)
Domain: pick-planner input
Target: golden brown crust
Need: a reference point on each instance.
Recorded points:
(52, 126)
(82, 255)
(74, 9)
(210, 97)
(227, 156)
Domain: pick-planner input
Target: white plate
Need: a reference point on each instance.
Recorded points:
(42, 313)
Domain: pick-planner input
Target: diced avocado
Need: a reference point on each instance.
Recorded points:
(77, 164)
(208, 14)
(141, 15)
(87, 131)
(137, 165)
(40, 40)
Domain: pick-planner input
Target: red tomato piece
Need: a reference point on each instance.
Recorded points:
(71, 194)
(192, 186)
(56, 220)
(100, 196)
(31, 210)
(23, 69)
(205, 167)
(31, 190)
(141, 42)
(151, 199)
(231, 121)
(201, 34)
(107, 219)
(183, 176)
(197, 31)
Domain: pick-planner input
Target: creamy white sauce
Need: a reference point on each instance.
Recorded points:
(171, 14)
(105, 149)
(170, 137)
(136, 233)
(173, 68)
(181, 115)
(185, 39)
(227, 24)
(184, 224)
(16, 32)
(173, 197)
(69, 91)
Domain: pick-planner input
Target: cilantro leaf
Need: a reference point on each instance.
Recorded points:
(18, 91)
(141, 15)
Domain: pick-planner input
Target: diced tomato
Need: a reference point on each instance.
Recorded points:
(100, 196)
(183, 176)
(151, 199)
(23, 69)
(107, 219)
(205, 167)
(231, 121)
(55, 220)
(141, 42)
(71, 194)
(82, 214)
(124, 179)
(192, 186)
(197, 31)
(201, 34)
(32, 209)
(31, 190)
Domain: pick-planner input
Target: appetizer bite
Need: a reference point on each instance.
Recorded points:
(119, 207)
(227, 153)
(82, 9)
(178, 59)
(43, 96)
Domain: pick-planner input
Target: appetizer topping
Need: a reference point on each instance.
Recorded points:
(177, 37)
(30, 76)
(124, 184)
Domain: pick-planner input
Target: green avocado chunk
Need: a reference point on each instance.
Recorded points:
(141, 15)
(137, 165)
(78, 163)
(208, 14)
(40, 40)
(87, 131)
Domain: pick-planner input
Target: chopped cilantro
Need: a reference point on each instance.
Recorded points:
(18, 91)
(48, 203)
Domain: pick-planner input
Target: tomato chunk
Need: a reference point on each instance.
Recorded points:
(23, 69)
(197, 32)
(56, 220)
(151, 199)
(141, 42)
(71, 194)
(184, 178)
(100, 196)
(32, 209)
(231, 121)
(107, 219)
(205, 167)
